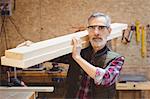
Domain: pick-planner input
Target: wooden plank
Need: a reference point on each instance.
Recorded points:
(56, 43)
(27, 89)
(39, 52)
(45, 47)
(17, 95)
(133, 86)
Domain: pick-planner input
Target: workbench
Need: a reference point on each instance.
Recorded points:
(17, 95)
(133, 86)
(22, 92)
(133, 90)
(43, 77)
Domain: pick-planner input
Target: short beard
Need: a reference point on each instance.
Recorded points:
(98, 44)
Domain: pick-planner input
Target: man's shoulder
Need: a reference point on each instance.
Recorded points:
(113, 55)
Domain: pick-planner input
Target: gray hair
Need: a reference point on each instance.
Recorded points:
(98, 14)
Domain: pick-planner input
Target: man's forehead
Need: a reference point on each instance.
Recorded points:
(97, 21)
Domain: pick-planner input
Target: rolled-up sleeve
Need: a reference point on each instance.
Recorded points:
(110, 74)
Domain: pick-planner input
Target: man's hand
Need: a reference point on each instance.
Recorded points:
(86, 66)
(76, 48)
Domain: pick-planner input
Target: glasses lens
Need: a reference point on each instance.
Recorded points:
(100, 28)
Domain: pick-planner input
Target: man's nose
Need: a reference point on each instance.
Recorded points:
(96, 31)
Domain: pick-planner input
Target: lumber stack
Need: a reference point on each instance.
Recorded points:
(27, 56)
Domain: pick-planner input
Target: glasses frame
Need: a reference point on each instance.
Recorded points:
(99, 27)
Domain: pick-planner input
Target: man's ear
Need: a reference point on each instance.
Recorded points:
(109, 29)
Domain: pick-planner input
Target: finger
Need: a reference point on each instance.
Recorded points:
(74, 41)
(74, 45)
(79, 43)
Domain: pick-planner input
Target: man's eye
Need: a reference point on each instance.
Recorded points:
(101, 27)
(96, 27)
(91, 27)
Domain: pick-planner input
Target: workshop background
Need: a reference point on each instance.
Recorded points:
(38, 20)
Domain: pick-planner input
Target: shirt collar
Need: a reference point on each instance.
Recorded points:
(102, 51)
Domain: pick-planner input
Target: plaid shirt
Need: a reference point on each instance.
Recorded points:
(105, 77)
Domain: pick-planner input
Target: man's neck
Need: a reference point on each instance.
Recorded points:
(98, 48)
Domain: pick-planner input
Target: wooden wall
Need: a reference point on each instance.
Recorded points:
(43, 19)
(38, 20)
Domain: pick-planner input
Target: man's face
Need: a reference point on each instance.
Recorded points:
(98, 32)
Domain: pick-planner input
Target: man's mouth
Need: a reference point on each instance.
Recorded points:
(97, 39)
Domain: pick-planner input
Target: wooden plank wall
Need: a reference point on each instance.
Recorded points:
(38, 20)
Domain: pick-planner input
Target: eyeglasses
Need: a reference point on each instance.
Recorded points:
(100, 28)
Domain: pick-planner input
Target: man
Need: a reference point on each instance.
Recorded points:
(100, 67)
(94, 70)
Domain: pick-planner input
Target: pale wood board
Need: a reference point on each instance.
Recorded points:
(17, 95)
(27, 89)
(39, 52)
(133, 86)
(43, 47)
